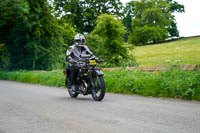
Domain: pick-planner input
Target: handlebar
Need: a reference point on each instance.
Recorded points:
(99, 60)
(83, 62)
(85, 56)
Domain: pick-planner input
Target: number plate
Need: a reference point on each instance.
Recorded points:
(92, 62)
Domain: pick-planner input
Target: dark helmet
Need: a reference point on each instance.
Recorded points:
(79, 39)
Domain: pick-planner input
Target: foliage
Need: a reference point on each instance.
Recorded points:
(184, 51)
(3, 57)
(37, 32)
(36, 40)
(50, 78)
(68, 32)
(107, 39)
(13, 13)
(148, 34)
(129, 15)
(170, 84)
(174, 7)
(151, 20)
(83, 14)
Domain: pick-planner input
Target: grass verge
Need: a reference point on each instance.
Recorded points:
(169, 84)
(49, 78)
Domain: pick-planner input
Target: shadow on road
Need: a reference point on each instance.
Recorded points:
(75, 99)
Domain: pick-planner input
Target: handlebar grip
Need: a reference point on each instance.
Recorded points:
(99, 60)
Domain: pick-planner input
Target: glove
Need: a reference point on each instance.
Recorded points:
(72, 61)
(99, 60)
(92, 57)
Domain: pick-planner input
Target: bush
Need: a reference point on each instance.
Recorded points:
(107, 39)
(146, 35)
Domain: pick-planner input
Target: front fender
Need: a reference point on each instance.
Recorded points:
(99, 72)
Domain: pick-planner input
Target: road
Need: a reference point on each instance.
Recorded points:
(27, 108)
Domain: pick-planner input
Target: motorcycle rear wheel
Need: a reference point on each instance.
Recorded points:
(98, 92)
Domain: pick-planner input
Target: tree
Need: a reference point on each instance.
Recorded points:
(128, 15)
(3, 57)
(107, 39)
(34, 38)
(83, 14)
(13, 13)
(48, 39)
(174, 7)
(13, 20)
(152, 18)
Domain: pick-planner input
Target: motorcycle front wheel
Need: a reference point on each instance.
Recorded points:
(72, 93)
(98, 92)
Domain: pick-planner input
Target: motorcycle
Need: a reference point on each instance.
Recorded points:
(90, 79)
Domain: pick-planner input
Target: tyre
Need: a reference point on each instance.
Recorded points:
(72, 93)
(98, 92)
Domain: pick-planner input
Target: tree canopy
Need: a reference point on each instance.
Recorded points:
(129, 15)
(82, 14)
(174, 7)
(107, 38)
(153, 21)
(33, 36)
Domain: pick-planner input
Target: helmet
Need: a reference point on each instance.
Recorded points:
(79, 39)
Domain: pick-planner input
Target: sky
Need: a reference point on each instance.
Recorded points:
(189, 22)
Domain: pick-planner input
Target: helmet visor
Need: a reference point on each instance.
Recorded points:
(79, 41)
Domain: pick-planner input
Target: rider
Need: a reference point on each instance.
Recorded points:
(73, 54)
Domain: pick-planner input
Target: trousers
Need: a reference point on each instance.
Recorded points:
(72, 74)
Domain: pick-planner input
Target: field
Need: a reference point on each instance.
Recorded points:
(183, 51)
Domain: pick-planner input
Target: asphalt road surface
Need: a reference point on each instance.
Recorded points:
(27, 108)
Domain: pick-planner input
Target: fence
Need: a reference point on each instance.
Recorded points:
(156, 68)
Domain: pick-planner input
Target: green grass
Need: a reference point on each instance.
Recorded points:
(170, 84)
(50, 78)
(187, 50)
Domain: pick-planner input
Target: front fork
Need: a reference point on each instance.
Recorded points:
(93, 74)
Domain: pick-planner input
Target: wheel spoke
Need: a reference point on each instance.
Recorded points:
(98, 91)
(97, 86)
